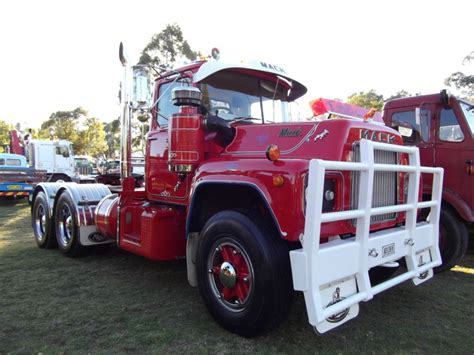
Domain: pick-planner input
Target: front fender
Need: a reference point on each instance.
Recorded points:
(284, 203)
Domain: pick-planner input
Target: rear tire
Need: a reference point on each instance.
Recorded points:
(243, 274)
(453, 239)
(41, 223)
(67, 226)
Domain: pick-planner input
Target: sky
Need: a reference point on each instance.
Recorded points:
(58, 55)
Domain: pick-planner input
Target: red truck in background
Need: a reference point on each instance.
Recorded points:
(442, 127)
(259, 205)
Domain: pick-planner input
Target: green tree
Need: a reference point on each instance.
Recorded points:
(93, 138)
(165, 47)
(368, 99)
(461, 81)
(112, 136)
(400, 94)
(5, 129)
(63, 125)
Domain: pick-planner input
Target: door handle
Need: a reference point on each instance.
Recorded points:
(470, 167)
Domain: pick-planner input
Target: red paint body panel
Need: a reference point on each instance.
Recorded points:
(155, 232)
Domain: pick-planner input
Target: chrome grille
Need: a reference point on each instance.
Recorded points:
(385, 184)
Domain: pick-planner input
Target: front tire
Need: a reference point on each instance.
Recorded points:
(453, 239)
(243, 273)
(67, 226)
(41, 223)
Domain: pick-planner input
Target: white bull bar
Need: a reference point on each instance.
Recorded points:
(334, 276)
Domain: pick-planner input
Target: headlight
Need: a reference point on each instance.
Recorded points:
(329, 194)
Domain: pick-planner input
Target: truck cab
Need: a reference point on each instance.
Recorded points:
(442, 127)
(260, 203)
(56, 157)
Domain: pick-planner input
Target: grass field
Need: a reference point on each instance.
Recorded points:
(118, 303)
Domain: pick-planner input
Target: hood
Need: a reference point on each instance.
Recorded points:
(328, 140)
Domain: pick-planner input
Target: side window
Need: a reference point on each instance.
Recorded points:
(2, 161)
(13, 162)
(449, 129)
(409, 128)
(64, 151)
(165, 105)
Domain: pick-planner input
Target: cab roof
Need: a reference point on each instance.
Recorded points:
(214, 66)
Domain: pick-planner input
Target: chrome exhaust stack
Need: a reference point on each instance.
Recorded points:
(125, 119)
(135, 96)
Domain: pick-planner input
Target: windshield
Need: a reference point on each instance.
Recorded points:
(236, 96)
(468, 110)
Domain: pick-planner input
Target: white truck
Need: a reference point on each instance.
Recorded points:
(56, 157)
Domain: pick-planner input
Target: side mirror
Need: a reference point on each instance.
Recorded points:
(141, 88)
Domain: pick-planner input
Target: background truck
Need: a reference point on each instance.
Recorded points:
(54, 156)
(442, 127)
(260, 205)
(17, 179)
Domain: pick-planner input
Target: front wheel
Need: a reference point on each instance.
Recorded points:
(244, 274)
(67, 227)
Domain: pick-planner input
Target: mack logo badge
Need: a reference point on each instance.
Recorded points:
(288, 133)
(388, 250)
(273, 67)
(377, 136)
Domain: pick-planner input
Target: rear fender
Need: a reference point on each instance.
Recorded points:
(50, 189)
(85, 197)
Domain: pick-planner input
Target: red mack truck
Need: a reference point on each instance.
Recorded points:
(442, 127)
(258, 204)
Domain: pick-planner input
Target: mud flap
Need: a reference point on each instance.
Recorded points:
(335, 293)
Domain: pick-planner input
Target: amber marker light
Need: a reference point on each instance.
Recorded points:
(278, 180)
(273, 152)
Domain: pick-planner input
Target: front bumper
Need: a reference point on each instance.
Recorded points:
(334, 276)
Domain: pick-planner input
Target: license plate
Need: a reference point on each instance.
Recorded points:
(14, 187)
(388, 250)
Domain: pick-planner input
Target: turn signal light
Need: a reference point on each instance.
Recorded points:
(278, 180)
(273, 152)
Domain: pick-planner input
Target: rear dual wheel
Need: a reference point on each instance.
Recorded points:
(41, 223)
(244, 274)
(67, 226)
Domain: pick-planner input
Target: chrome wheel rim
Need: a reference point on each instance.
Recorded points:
(230, 274)
(66, 225)
(40, 223)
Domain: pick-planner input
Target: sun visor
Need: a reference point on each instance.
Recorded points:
(211, 67)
